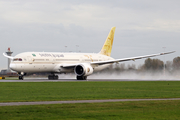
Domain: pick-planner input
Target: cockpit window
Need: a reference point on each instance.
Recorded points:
(17, 59)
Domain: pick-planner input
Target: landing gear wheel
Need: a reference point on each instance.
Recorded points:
(53, 77)
(81, 77)
(21, 77)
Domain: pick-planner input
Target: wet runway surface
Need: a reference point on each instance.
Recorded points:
(79, 101)
(69, 80)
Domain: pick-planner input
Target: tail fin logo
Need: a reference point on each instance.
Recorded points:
(107, 47)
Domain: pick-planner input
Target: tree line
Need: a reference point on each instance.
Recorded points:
(149, 65)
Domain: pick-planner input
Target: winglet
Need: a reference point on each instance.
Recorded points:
(167, 53)
(5, 55)
(107, 47)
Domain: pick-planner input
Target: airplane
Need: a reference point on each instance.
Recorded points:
(82, 64)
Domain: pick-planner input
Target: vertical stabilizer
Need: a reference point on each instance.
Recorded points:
(107, 47)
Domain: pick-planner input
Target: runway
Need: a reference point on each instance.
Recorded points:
(80, 101)
(70, 80)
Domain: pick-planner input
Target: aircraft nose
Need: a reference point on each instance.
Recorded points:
(12, 66)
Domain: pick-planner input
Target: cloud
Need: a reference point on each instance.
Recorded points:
(139, 15)
(142, 27)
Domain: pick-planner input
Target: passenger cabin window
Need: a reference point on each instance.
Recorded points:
(17, 59)
(38, 59)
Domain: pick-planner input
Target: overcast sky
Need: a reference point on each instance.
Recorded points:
(142, 27)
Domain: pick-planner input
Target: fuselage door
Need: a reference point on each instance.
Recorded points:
(81, 59)
(53, 60)
(99, 58)
(30, 59)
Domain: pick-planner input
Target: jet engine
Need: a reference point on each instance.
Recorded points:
(83, 70)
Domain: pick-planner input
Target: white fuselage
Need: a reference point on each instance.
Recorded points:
(53, 61)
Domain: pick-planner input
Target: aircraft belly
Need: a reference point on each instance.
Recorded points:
(34, 68)
(101, 67)
(66, 70)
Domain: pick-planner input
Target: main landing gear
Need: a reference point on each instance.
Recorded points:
(81, 77)
(53, 77)
(21, 77)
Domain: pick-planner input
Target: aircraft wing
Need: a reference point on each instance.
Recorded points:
(117, 60)
(128, 59)
(7, 56)
(69, 65)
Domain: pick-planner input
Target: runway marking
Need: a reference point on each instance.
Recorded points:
(80, 101)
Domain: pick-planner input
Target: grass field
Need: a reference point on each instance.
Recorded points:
(143, 110)
(50, 91)
(83, 90)
(11, 78)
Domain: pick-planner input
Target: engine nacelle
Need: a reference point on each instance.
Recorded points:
(83, 70)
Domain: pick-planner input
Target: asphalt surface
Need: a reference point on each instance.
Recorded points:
(66, 80)
(79, 101)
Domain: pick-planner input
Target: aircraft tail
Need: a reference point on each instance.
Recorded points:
(107, 47)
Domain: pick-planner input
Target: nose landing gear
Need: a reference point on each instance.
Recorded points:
(21, 75)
